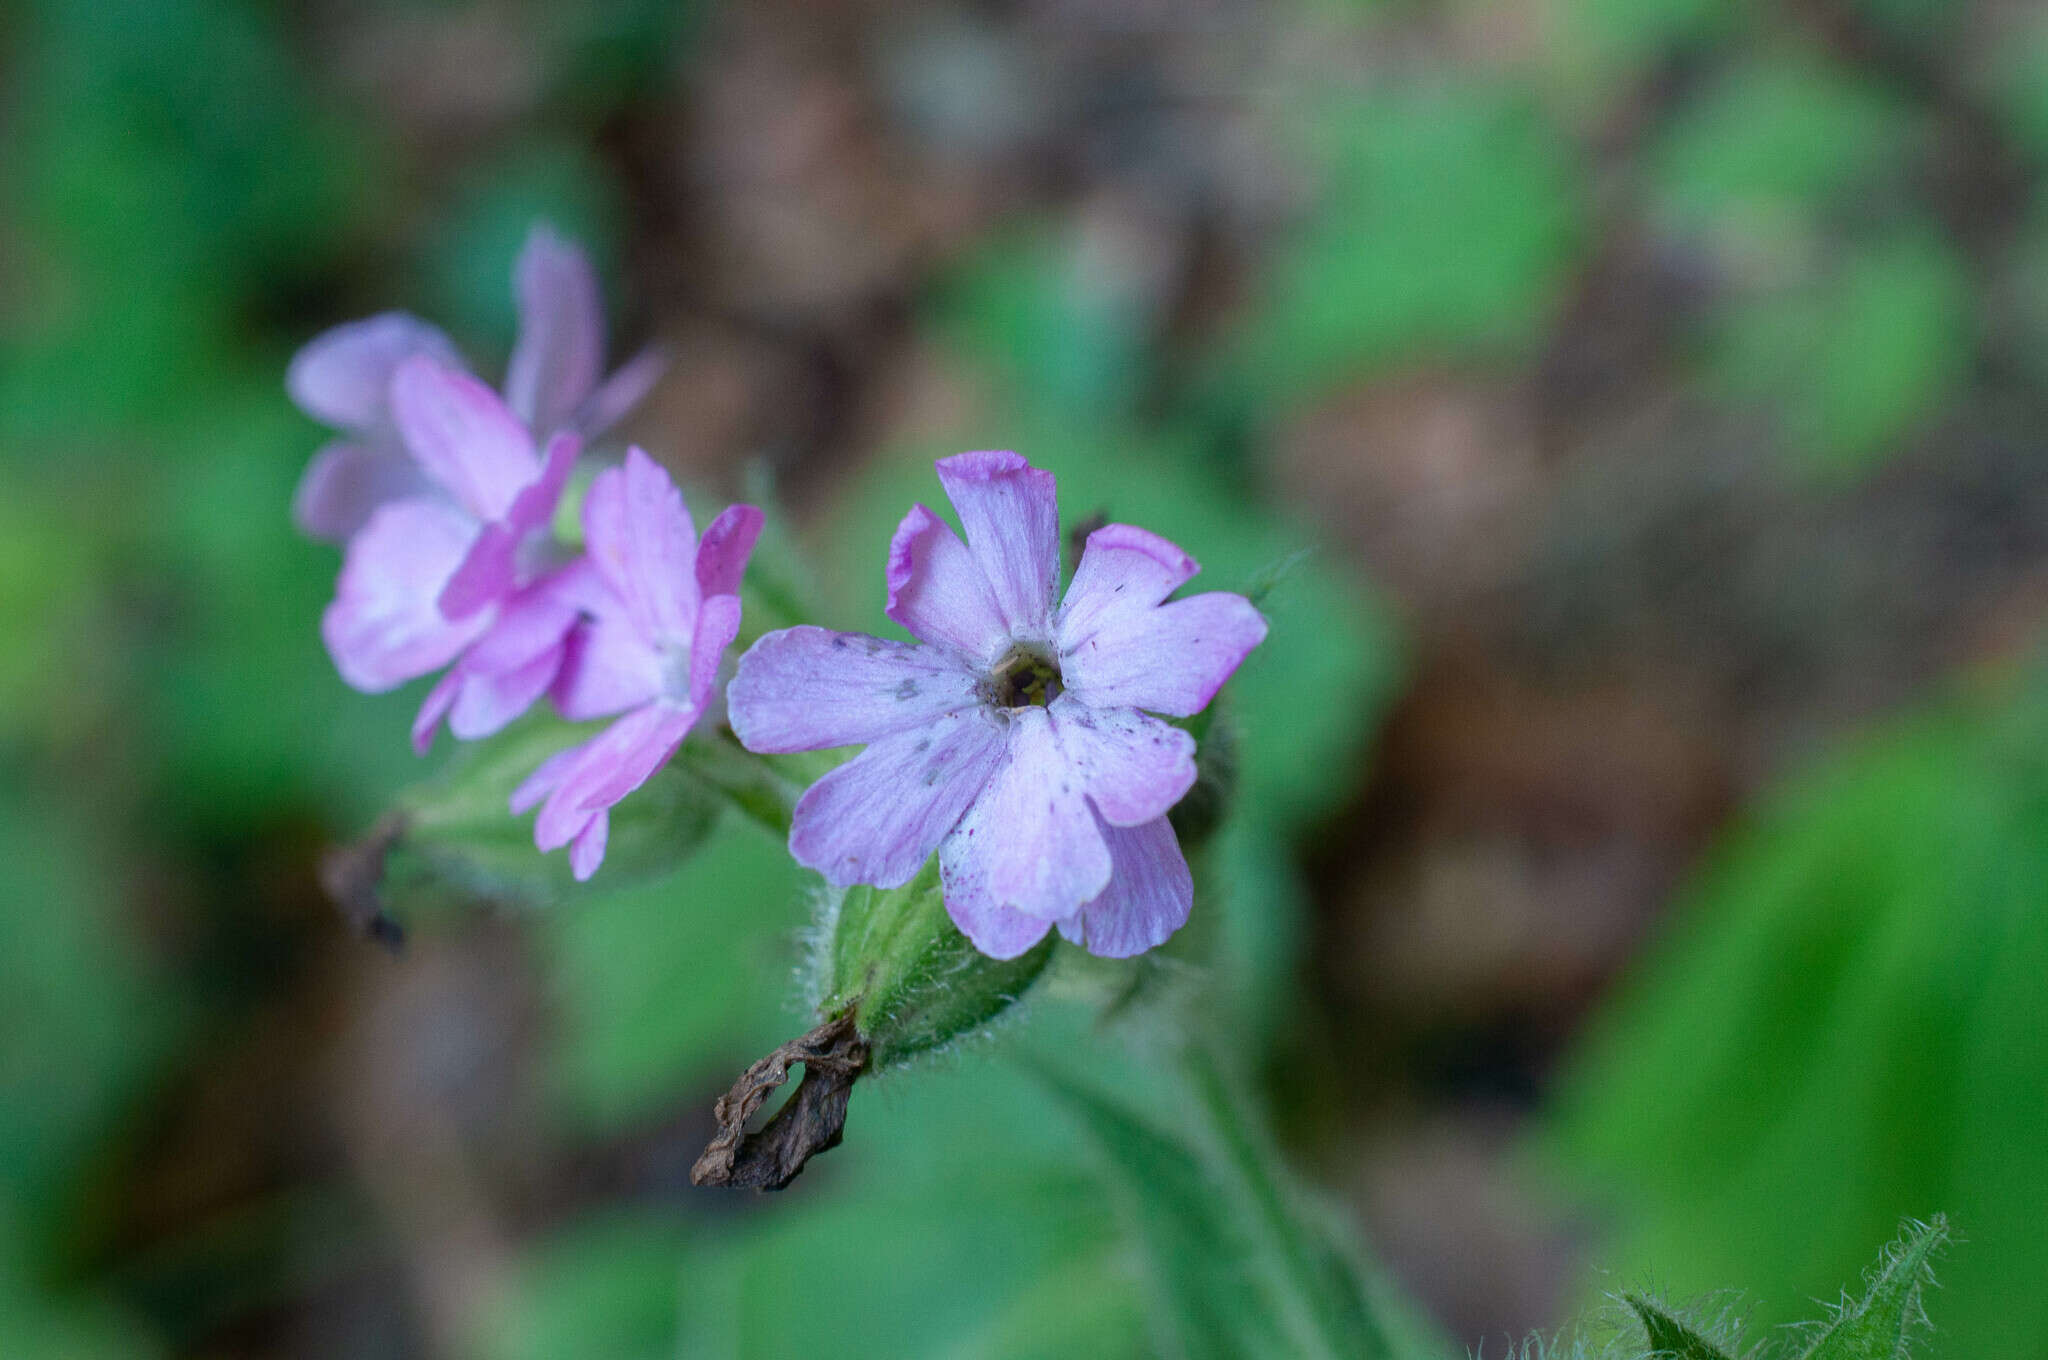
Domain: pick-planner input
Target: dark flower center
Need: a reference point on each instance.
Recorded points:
(1027, 676)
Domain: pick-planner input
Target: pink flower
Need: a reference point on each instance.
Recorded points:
(661, 609)
(1016, 740)
(343, 379)
(462, 566)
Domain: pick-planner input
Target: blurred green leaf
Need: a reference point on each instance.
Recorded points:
(1769, 145)
(1446, 225)
(1030, 307)
(1833, 1030)
(1860, 357)
(83, 1017)
(667, 984)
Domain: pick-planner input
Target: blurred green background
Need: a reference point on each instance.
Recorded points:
(1639, 876)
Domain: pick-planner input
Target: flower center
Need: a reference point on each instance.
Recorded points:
(1025, 677)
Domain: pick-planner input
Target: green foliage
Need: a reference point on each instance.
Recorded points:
(1447, 221)
(1856, 358)
(1844, 313)
(1834, 1029)
(1774, 143)
(664, 987)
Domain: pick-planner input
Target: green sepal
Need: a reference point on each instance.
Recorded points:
(1669, 1336)
(895, 961)
(457, 828)
(1880, 1325)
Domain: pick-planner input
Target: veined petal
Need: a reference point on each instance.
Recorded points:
(559, 354)
(463, 436)
(1149, 896)
(878, 817)
(1171, 659)
(1132, 765)
(1124, 571)
(807, 688)
(342, 376)
(615, 399)
(637, 531)
(1030, 842)
(383, 627)
(1011, 517)
(350, 478)
(937, 591)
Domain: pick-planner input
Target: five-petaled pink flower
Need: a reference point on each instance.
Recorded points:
(342, 378)
(660, 607)
(1016, 741)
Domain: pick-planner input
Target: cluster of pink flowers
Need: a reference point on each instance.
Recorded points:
(445, 493)
(1016, 739)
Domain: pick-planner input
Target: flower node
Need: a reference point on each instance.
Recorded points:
(1025, 678)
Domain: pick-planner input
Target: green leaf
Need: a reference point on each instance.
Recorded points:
(662, 987)
(1670, 1337)
(1447, 223)
(1237, 1266)
(1880, 1325)
(1854, 360)
(1830, 1031)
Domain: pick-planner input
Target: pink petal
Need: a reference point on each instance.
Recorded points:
(997, 931)
(621, 392)
(480, 698)
(1170, 660)
(637, 531)
(937, 591)
(718, 623)
(342, 377)
(1149, 896)
(610, 667)
(439, 700)
(1011, 517)
(877, 818)
(586, 852)
(383, 627)
(487, 573)
(463, 436)
(728, 543)
(1124, 571)
(610, 766)
(805, 689)
(546, 778)
(560, 350)
(1030, 842)
(347, 480)
(491, 570)
(1132, 765)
